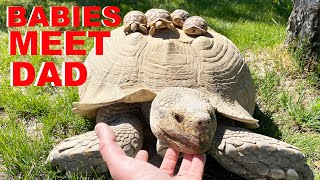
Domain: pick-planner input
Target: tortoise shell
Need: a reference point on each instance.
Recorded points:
(154, 15)
(134, 17)
(134, 68)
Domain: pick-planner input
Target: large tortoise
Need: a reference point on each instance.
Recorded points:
(196, 93)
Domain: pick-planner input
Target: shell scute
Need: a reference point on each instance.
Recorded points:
(134, 17)
(154, 15)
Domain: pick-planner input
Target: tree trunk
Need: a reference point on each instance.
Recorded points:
(303, 34)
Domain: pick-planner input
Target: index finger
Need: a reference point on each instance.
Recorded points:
(110, 151)
(169, 161)
(197, 166)
(185, 164)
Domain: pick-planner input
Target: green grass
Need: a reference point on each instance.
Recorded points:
(290, 113)
(288, 105)
(277, 98)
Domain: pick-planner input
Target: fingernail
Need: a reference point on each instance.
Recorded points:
(100, 129)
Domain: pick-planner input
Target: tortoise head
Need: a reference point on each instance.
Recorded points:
(179, 16)
(184, 119)
(195, 25)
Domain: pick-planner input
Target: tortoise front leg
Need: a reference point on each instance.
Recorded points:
(127, 124)
(254, 156)
(129, 134)
(81, 153)
(127, 29)
(143, 29)
(170, 25)
(78, 154)
(152, 30)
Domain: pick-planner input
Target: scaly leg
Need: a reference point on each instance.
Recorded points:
(143, 29)
(81, 153)
(254, 156)
(152, 30)
(170, 25)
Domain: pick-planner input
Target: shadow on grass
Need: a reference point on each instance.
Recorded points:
(214, 171)
(267, 126)
(226, 10)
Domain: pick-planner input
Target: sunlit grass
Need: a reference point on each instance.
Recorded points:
(255, 26)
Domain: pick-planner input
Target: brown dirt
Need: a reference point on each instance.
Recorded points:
(317, 164)
(276, 59)
(34, 129)
(3, 114)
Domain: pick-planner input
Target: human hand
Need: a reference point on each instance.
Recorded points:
(124, 167)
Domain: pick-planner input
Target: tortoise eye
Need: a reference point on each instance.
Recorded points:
(178, 117)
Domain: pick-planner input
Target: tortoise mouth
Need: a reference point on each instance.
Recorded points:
(189, 143)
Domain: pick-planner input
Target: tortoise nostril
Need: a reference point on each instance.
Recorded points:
(179, 118)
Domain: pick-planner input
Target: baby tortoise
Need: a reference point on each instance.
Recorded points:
(195, 26)
(135, 21)
(158, 19)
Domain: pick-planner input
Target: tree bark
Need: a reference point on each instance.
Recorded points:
(303, 33)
